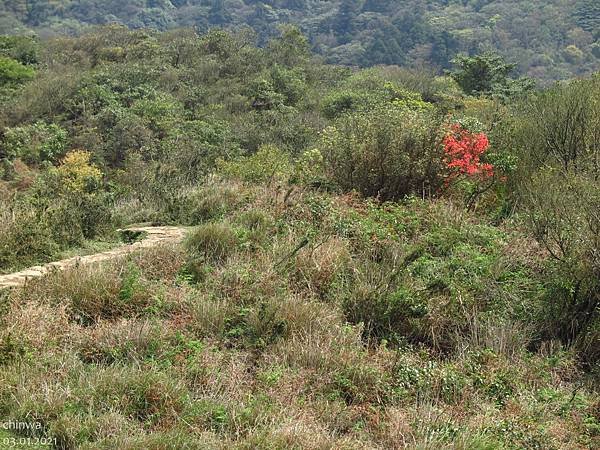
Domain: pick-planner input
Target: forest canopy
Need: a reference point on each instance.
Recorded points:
(548, 40)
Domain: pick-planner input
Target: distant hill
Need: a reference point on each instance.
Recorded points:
(549, 39)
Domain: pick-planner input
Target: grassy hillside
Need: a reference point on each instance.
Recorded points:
(378, 258)
(393, 326)
(548, 40)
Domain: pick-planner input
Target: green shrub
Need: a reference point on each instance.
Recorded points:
(421, 272)
(206, 203)
(256, 327)
(211, 243)
(386, 310)
(267, 165)
(191, 148)
(13, 73)
(35, 143)
(388, 153)
(64, 224)
(37, 226)
(289, 83)
(308, 169)
(563, 213)
(24, 239)
(339, 103)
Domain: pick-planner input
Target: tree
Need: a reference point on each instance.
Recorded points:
(290, 83)
(263, 95)
(291, 48)
(487, 74)
(218, 14)
(344, 21)
(587, 15)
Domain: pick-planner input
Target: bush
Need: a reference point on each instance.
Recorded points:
(24, 239)
(190, 149)
(339, 103)
(556, 127)
(555, 136)
(212, 243)
(387, 310)
(77, 174)
(206, 203)
(389, 153)
(13, 73)
(35, 227)
(563, 213)
(35, 143)
(288, 82)
(267, 165)
(63, 223)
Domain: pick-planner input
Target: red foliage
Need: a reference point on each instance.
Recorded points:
(463, 150)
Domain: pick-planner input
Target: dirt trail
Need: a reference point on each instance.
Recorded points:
(155, 236)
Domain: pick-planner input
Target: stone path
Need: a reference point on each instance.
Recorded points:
(155, 236)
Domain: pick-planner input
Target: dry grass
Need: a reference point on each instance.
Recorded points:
(319, 265)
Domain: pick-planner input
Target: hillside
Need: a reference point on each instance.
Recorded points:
(396, 326)
(548, 40)
(377, 258)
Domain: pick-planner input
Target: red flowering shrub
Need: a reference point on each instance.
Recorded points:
(463, 150)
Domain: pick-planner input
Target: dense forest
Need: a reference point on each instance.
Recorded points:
(376, 258)
(549, 40)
